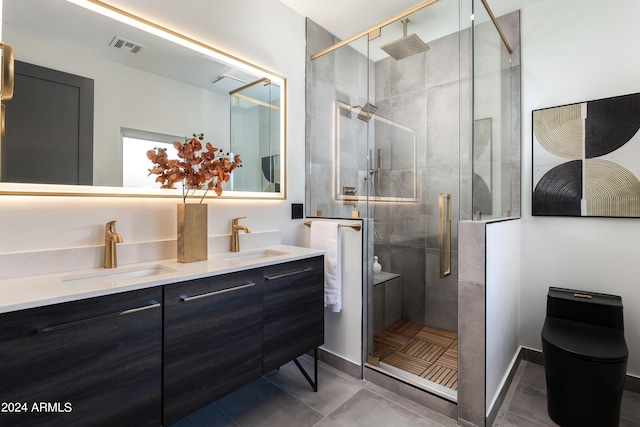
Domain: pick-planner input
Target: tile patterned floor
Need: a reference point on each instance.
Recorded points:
(283, 398)
(421, 350)
(526, 402)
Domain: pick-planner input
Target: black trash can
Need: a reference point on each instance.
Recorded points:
(585, 357)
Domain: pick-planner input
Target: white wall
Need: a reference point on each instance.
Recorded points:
(271, 36)
(573, 51)
(502, 303)
(343, 330)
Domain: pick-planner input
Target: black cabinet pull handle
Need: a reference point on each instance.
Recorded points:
(95, 319)
(292, 273)
(222, 291)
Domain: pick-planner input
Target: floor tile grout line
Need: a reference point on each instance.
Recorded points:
(314, 409)
(320, 420)
(226, 415)
(294, 397)
(514, 386)
(310, 407)
(405, 407)
(533, 421)
(633, 420)
(508, 399)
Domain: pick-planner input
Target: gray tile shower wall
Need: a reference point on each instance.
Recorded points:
(337, 77)
(422, 92)
(471, 324)
(431, 93)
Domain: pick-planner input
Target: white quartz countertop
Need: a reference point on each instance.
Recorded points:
(35, 291)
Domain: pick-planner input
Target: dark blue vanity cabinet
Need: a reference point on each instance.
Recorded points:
(93, 362)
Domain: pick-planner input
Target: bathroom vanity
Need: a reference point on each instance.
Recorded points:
(76, 364)
(150, 350)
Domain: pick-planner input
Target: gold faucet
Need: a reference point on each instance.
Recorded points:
(235, 228)
(110, 240)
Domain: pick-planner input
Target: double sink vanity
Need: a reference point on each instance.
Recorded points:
(150, 343)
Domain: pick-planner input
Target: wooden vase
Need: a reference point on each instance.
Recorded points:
(192, 232)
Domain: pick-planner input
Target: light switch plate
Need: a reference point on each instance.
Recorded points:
(297, 210)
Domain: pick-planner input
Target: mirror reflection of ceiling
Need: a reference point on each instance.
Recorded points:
(99, 37)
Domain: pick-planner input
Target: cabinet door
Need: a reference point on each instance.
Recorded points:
(93, 362)
(293, 311)
(213, 340)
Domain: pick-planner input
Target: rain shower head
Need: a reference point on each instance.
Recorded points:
(367, 112)
(408, 45)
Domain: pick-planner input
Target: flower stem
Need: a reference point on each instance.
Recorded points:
(204, 195)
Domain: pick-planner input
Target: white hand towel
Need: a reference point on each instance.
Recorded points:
(326, 235)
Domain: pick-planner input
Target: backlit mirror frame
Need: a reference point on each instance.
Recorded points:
(125, 17)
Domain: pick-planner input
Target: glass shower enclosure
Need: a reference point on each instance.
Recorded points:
(394, 136)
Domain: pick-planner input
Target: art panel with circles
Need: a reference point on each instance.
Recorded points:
(586, 159)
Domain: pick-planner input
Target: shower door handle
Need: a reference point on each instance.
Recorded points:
(444, 238)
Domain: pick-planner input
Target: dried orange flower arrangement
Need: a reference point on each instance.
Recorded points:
(195, 168)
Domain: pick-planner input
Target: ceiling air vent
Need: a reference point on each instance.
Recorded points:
(120, 43)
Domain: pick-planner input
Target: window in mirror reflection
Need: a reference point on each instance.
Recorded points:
(135, 163)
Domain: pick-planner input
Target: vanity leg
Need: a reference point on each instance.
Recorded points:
(314, 382)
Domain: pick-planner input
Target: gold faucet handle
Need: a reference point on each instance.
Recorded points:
(234, 221)
(111, 226)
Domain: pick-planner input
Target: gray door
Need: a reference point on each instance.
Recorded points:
(49, 128)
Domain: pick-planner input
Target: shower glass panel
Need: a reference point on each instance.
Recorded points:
(412, 327)
(495, 154)
(411, 130)
(337, 128)
(385, 121)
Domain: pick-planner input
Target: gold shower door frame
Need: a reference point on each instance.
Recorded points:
(375, 31)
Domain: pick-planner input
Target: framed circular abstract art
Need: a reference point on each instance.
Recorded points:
(586, 159)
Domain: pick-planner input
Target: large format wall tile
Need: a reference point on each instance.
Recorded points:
(441, 294)
(471, 354)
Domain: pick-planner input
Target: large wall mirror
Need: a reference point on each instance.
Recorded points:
(96, 87)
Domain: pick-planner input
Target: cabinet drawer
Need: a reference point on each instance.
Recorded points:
(95, 361)
(213, 340)
(293, 311)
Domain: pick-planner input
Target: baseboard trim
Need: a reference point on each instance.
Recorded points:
(340, 363)
(491, 417)
(531, 355)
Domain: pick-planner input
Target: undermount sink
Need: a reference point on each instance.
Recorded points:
(107, 276)
(251, 255)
